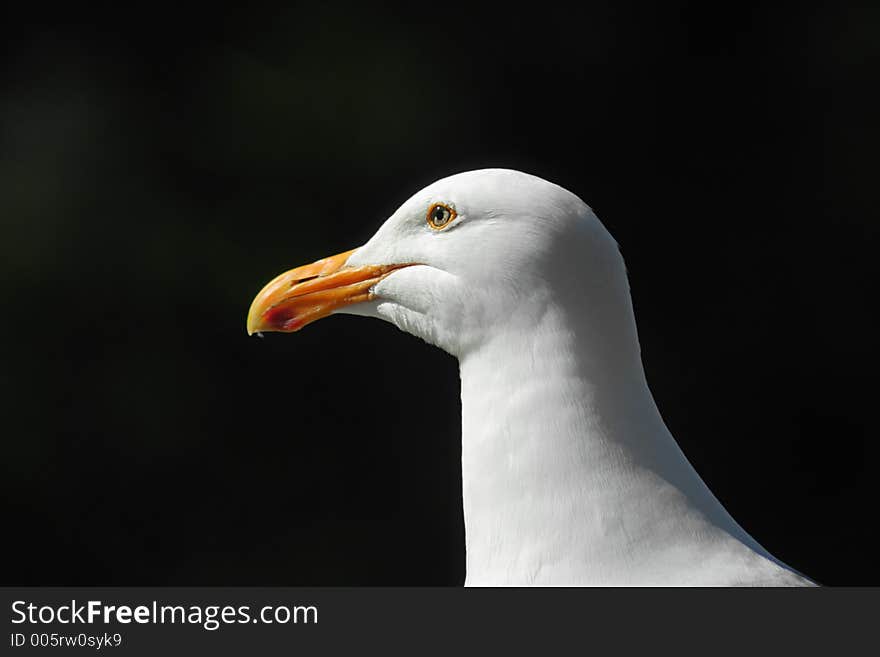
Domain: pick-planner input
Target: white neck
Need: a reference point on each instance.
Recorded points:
(569, 473)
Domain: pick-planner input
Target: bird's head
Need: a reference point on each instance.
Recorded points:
(458, 259)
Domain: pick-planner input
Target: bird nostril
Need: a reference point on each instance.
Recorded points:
(297, 281)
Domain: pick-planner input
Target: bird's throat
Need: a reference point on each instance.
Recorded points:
(569, 474)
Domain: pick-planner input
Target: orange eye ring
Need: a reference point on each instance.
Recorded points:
(440, 215)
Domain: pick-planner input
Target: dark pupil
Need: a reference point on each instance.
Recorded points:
(440, 215)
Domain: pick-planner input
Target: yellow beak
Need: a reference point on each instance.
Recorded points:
(308, 293)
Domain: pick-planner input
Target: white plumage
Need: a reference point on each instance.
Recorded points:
(570, 476)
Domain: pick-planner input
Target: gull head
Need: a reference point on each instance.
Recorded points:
(462, 260)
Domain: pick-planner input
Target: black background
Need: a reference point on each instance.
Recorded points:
(157, 169)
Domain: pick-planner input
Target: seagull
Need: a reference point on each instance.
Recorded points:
(569, 475)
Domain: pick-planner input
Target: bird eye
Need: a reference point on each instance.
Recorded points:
(439, 216)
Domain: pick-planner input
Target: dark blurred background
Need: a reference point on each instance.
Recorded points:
(157, 169)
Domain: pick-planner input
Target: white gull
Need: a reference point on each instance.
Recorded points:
(570, 476)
